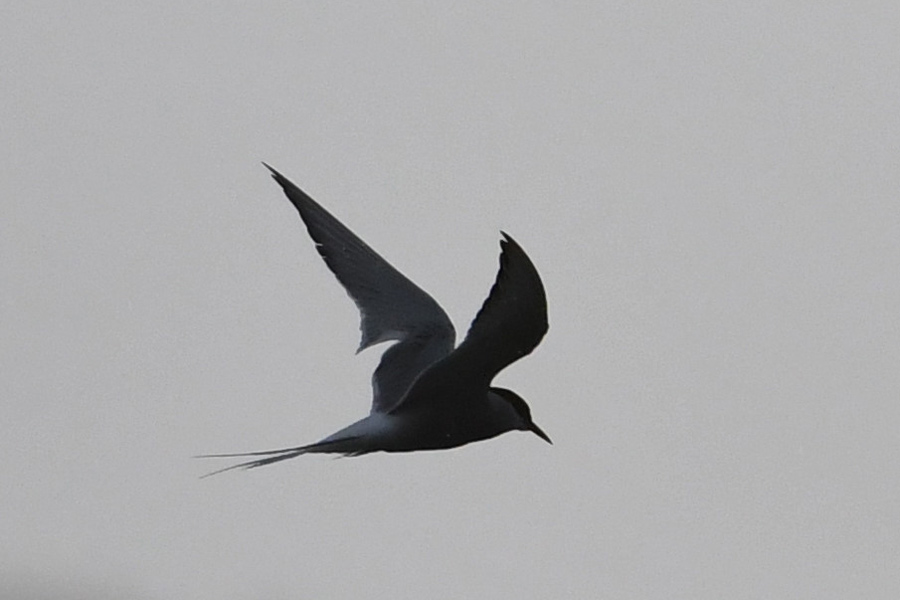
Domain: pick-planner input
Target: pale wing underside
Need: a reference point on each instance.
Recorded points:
(391, 306)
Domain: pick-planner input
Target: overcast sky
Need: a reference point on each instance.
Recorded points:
(709, 190)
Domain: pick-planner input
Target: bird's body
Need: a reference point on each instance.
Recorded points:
(427, 395)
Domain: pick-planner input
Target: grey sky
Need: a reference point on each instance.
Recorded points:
(709, 190)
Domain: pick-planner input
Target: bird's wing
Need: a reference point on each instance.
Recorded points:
(511, 322)
(391, 306)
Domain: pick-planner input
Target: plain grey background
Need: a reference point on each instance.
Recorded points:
(709, 189)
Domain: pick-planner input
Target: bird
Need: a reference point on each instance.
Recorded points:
(427, 393)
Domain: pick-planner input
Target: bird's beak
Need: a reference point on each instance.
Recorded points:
(540, 433)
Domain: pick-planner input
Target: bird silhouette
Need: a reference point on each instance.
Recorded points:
(427, 394)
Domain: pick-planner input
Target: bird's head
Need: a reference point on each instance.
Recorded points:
(520, 412)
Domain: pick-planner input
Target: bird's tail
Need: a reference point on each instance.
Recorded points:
(346, 446)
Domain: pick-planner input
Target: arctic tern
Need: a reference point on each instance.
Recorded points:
(427, 394)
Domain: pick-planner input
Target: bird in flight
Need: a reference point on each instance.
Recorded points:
(427, 394)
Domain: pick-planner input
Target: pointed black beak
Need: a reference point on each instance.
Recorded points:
(540, 433)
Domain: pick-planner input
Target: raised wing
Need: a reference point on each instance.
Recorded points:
(511, 322)
(391, 307)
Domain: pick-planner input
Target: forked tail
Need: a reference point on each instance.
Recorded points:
(346, 446)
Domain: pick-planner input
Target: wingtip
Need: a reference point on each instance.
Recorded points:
(278, 177)
(508, 240)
